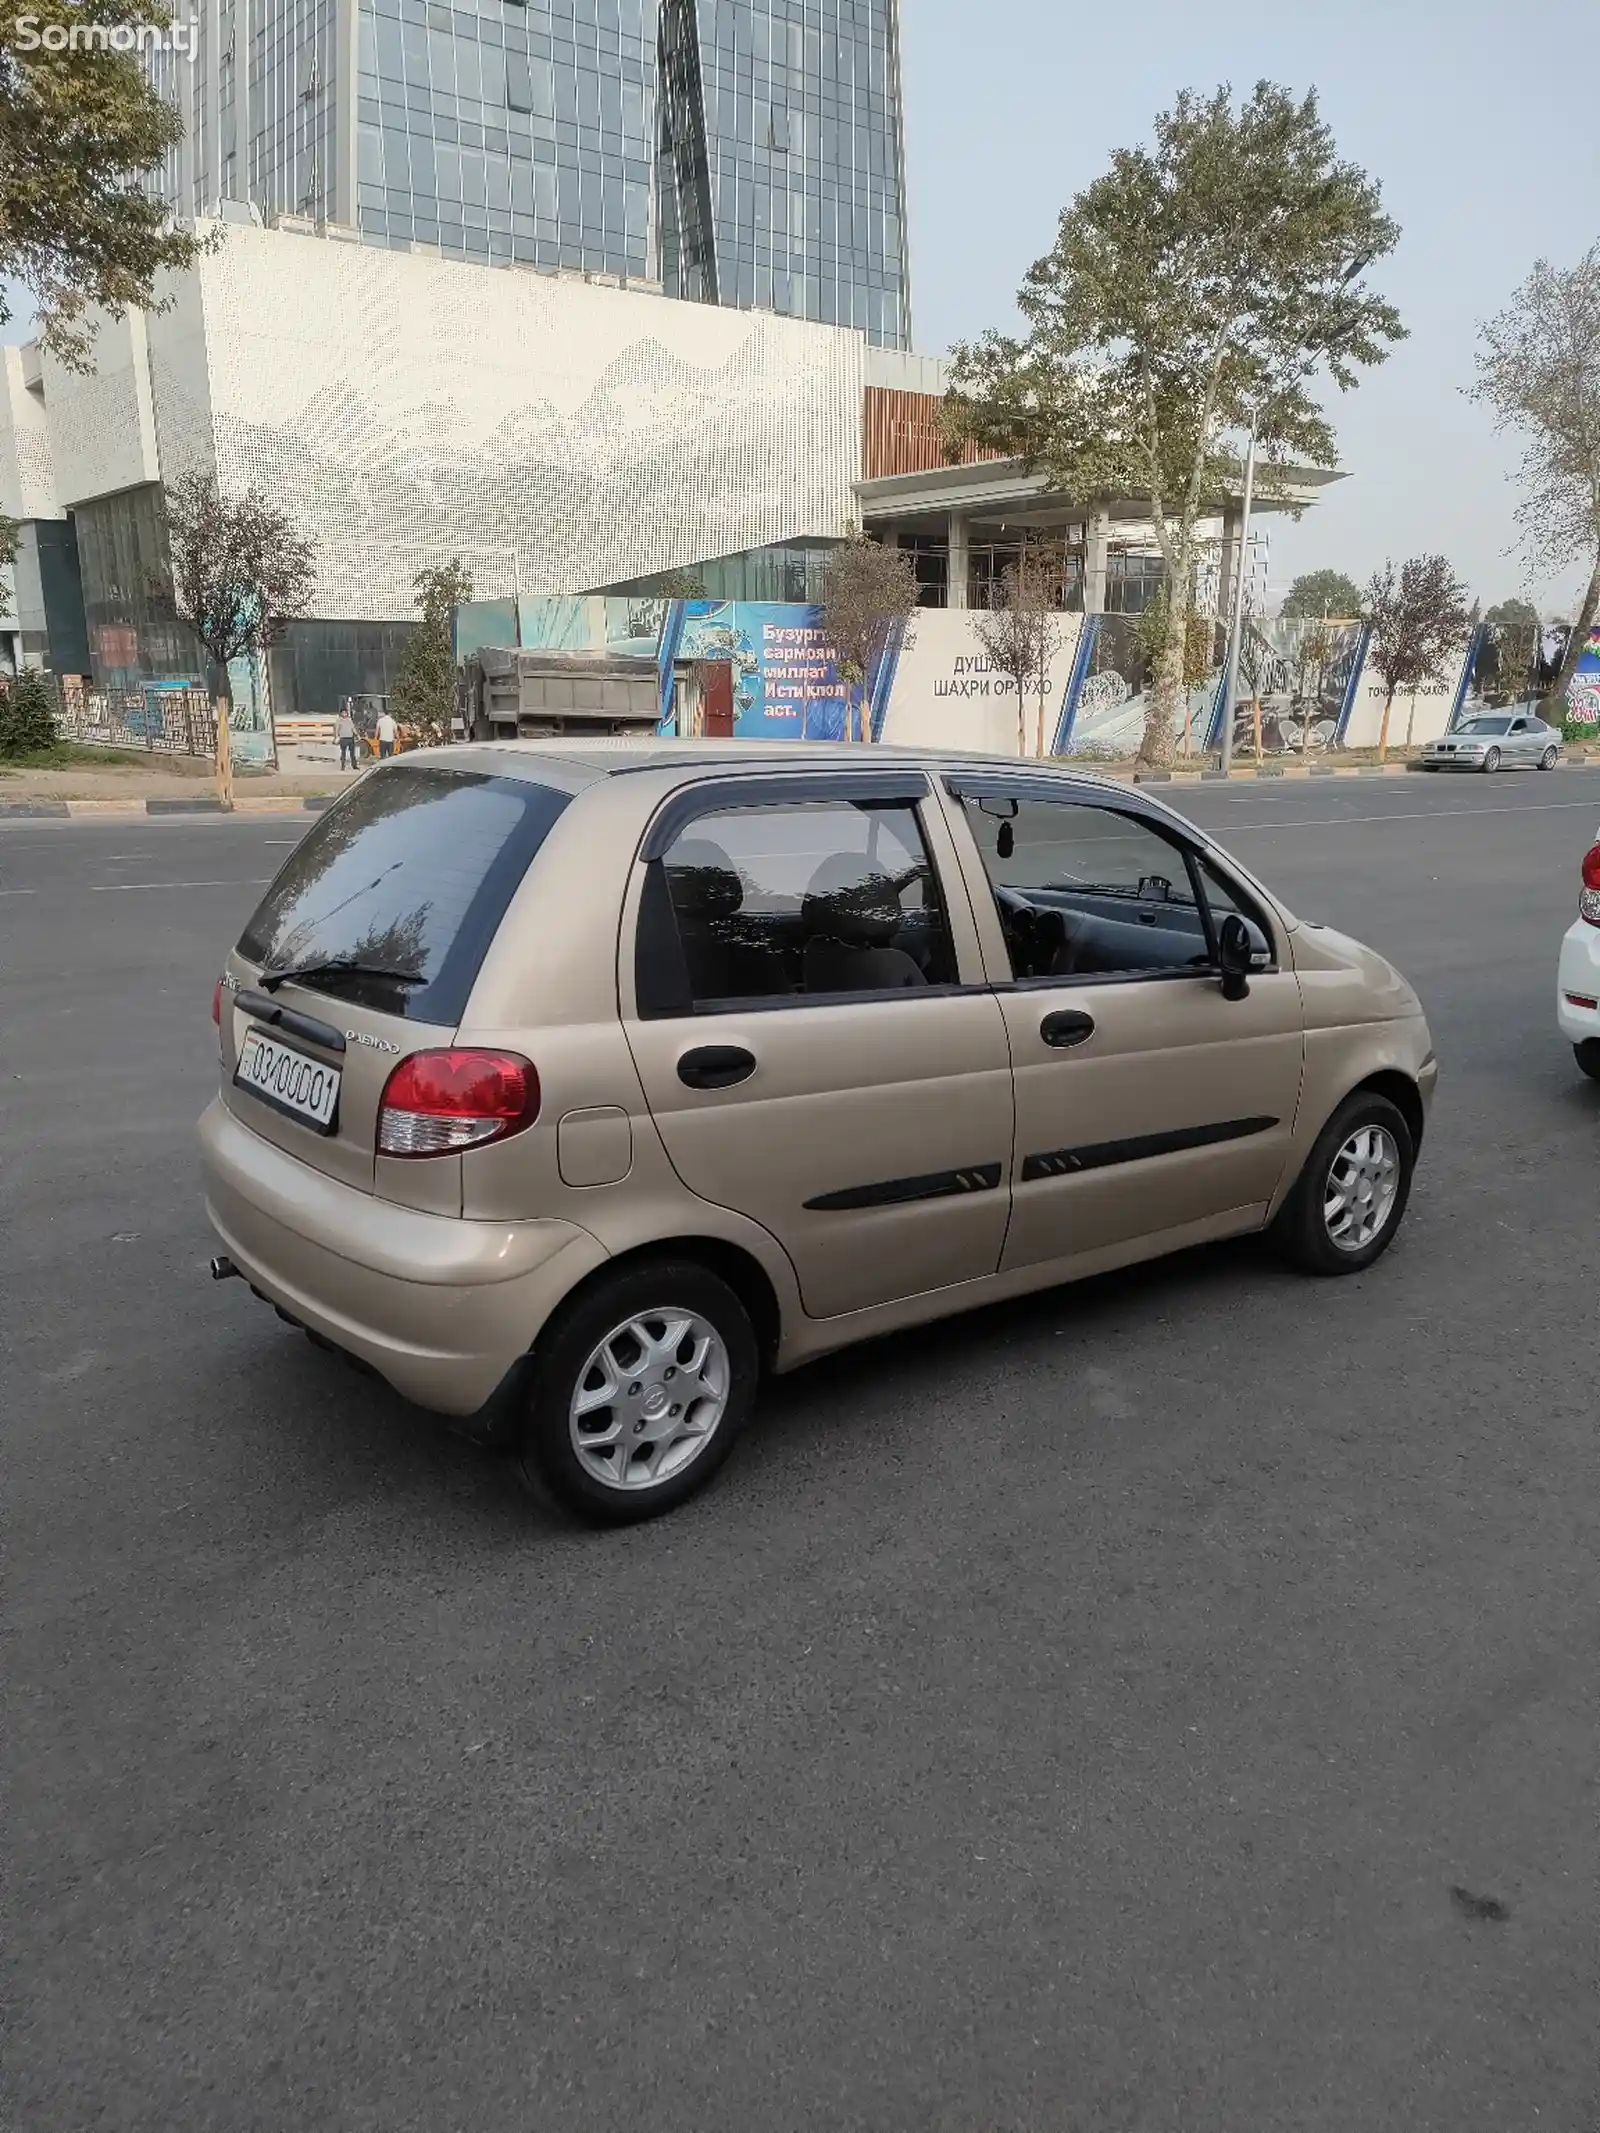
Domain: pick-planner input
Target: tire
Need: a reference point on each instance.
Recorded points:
(1491, 762)
(646, 1295)
(1301, 1230)
(1549, 759)
(1587, 1055)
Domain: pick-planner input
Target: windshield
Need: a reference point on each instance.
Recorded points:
(407, 877)
(1485, 725)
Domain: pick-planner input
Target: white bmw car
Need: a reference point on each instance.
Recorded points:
(1578, 984)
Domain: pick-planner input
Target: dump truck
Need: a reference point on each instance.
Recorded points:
(516, 694)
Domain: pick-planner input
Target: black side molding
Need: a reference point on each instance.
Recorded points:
(896, 1192)
(1103, 1155)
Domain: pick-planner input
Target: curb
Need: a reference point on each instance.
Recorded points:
(1309, 770)
(128, 810)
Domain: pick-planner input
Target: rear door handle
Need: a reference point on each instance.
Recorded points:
(716, 1066)
(1066, 1027)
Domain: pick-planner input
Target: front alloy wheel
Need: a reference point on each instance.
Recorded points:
(1491, 761)
(1359, 1190)
(1350, 1199)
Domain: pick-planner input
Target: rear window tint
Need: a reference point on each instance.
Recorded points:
(412, 870)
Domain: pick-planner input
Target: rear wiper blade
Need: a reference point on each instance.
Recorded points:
(344, 966)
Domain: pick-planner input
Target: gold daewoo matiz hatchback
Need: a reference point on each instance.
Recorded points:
(570, 1087)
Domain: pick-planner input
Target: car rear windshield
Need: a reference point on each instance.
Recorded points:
(410, 873)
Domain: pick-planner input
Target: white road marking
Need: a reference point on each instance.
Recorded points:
(18, 892)
(1428, 814)
(115, 888)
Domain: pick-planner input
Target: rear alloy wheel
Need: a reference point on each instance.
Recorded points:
(1349, 1201)
(1550, 758)
(1587, 1055)
(1491, 761)
(640, 1387)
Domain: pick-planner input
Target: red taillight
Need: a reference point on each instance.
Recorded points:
(216, 1004)
(1589, 894)
(435, 1103)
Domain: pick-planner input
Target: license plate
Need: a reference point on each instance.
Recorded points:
(289, 1080)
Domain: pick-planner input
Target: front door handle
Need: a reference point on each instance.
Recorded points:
(1066, 1027)
(716, 1066)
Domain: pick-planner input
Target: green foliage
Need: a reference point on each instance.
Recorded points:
(1513, 615)
(1022, 632)
(1152, 630)
(1318, 593)
(239, 567)
(8, 554)
(679, 585)
(27, 715)
(78, 129)
(422, 696)
(1191, 290)
(866, 590)
(1416, 619)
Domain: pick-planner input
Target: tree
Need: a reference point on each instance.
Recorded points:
(27, 715)
(1022, 633)
(239, 572)
(1151, 629)
(1513, 615)
(1415, 620)
(1316, 594)
(9, 529)
(1191, 291)
(867, 591)
(422, 695)
(677, 585)
(78, 129)
(1314, 652)
(1539, 370)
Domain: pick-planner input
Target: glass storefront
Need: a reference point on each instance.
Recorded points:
(790, 570)
(122, 558)
(315, 664)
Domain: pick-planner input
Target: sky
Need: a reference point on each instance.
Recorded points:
(1476, 119)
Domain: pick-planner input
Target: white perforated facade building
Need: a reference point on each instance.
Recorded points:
(559, 435)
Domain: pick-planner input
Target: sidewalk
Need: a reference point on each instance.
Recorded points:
(173, 787)
(307, 787)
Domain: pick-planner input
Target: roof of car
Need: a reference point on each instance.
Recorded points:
(574, 762)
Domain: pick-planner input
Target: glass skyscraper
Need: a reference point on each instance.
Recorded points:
(743, 152)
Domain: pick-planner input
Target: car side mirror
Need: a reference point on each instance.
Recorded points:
(1233, 956)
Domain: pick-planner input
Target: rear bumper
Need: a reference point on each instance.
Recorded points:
(1579, 972)
(441, 1308)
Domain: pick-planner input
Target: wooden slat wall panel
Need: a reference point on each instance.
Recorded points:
(900, 435)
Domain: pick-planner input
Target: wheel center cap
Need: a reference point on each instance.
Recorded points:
(655, 1403)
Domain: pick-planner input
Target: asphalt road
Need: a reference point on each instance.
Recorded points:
(1167, 1704)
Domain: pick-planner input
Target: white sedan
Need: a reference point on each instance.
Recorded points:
(1578, 982)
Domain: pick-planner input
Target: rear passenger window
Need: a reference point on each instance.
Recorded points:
(802, 901)
(1083, 891)
(409, 874)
